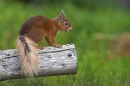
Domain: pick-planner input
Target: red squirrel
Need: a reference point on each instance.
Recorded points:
(31, 32)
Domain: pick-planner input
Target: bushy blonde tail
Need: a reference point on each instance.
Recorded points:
(28, 55)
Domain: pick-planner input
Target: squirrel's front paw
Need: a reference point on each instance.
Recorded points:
(58, 45)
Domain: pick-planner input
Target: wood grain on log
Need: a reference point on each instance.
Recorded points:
(52, 61)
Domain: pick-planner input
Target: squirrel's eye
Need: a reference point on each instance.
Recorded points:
(65, 23)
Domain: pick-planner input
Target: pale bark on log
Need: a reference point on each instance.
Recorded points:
(52, 61)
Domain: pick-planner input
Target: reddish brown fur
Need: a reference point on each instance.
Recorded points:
(38, 26)
(35, 28)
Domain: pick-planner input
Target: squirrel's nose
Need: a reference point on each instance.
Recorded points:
(70, 28)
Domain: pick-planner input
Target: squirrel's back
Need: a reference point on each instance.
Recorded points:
(35, 27)
(33, 22)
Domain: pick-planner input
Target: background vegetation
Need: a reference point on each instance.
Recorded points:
(95, 24)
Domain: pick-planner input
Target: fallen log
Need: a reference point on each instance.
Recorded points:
(52, 62)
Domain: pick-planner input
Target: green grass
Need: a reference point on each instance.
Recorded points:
(94, 68)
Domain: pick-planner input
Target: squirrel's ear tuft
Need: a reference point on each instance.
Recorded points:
(61, 17)
(62, 12)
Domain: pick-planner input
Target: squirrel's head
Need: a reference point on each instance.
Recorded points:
(63, 22)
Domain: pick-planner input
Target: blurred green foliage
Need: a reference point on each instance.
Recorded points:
(88, 17)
